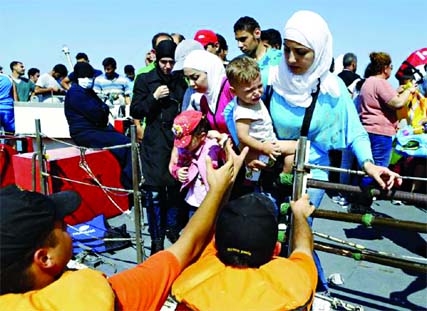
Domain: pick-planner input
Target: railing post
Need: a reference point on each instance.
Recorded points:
(299, 182)
(136, 196)
(40, 153)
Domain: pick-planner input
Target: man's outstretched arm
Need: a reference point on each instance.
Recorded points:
(198, 229)
(302, 238)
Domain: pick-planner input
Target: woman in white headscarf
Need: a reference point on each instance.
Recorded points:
(335, 123)
(206, 74)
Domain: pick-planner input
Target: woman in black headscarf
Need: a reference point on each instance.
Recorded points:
(87, 118)
(157, 97)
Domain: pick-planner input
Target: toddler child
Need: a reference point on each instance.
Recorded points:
(252, 119)
(188, 164)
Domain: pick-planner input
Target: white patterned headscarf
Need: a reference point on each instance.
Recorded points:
(211, 64)
(309, 29)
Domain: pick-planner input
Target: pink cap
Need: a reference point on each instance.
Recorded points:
(183, 125)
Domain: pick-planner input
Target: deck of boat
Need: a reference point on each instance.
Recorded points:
(370, 285)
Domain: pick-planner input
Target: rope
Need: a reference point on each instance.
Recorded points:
(83, 164)
(364, 249)
(88, 184)
(90, 148)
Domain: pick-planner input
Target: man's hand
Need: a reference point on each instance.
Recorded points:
(161, 92)
(221, 179)
(302, 207)
(383, 176)
(182, 174)
(253, 163)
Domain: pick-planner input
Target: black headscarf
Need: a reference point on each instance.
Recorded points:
(83, 70)
(165, 48)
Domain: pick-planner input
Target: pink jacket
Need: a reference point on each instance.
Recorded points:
(196, 163)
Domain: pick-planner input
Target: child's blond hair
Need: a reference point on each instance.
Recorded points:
(242, 70)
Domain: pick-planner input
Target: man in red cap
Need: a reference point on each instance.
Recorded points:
(208, 39)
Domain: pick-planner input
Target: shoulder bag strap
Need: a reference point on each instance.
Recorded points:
(309, 111)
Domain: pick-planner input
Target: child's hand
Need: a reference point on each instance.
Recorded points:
(271, 149)
(182, 174)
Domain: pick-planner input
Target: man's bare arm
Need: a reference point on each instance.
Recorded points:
(200, 226)
(302, 237)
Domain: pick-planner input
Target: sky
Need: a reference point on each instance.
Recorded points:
(35, 31)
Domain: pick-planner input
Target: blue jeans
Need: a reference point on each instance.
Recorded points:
(162, 211)
(381, 151)
(7, 120)
(316, 196)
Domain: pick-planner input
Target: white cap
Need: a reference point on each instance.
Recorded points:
(183, 49)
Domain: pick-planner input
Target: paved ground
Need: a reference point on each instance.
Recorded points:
(367, 284)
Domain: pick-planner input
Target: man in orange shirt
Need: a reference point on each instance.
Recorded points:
(241, 269)
(35, 248)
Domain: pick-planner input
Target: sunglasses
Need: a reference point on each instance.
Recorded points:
(164, 62)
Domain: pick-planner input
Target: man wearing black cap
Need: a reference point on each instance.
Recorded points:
(35, 248)
(240, 270)
(157, 97)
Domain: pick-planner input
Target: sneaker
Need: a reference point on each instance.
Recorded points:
(156, 246)
(321, 303)
(336, 199)
(343, 202)
(172, 235)
(340, 200)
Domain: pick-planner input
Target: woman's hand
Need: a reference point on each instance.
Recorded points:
(383, 176)
(161, 91)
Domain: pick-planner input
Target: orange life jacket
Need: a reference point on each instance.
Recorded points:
(281, 284)
(75, 290)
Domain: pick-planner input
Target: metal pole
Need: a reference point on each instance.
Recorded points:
(354, 172)
(43, 187)
(34, 171)
(370, 220)
(66, 52)
(136, 198)
(380, 259)
(299, 183)
(409, 197)
(298, 186)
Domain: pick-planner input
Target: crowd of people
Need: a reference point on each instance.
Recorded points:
(218, 139)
